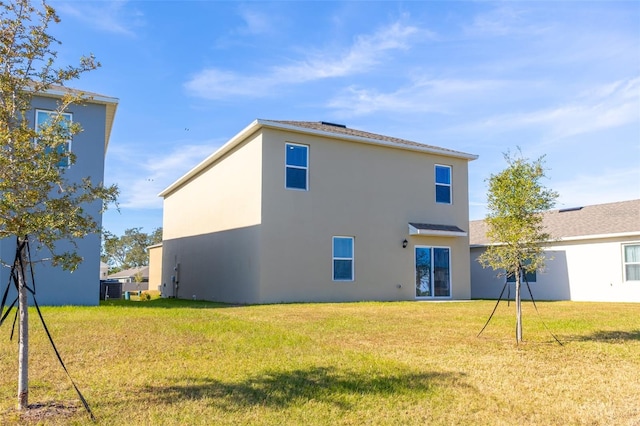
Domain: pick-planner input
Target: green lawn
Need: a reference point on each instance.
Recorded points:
(168, 362)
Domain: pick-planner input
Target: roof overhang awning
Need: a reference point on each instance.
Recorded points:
(433, 230)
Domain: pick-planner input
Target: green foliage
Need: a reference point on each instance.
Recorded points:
(516, 199)
(128, 250)
(38, 200)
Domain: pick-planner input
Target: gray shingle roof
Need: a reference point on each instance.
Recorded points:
(601, 219)
(340, 129)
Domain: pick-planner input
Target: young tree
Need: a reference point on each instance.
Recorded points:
(516, 198)
(128, 250)
(38, 203)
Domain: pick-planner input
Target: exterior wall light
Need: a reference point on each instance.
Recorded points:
(404, 243)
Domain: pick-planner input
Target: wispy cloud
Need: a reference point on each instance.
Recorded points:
(141, 177)
(113, 16)
(255, 22)
(443, 95)
(366, 52)
(505, 20)
(598, 187)
(606, 106)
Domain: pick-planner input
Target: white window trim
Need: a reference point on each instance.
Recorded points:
(286, 166)
(415, 268)
(352, 258)
(450, 184)
(67, 115)
(625, 263)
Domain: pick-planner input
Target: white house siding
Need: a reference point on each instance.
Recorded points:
(579, 270)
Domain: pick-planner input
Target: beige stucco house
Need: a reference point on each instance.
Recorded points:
(311, 211)
(596, 256)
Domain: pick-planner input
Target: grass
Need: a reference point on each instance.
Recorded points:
(174, 362)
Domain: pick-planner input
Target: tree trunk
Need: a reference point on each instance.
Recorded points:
(518, 308)
(23, 340)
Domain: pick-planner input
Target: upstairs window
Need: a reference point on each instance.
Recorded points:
(343, 258)
(443, 184)
(296, 167)
(631, 262)
(45, 118)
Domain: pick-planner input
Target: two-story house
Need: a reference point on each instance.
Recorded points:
(291, 211)
(55, 286)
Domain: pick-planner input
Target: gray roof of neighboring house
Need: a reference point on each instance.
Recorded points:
(573, 223)
(319, 128)
(130, 273)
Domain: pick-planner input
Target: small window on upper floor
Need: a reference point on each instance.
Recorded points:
(443, 184)
(44, 118)
(296, 167)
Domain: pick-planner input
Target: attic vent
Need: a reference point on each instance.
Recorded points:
(326, 123)
(570, 209)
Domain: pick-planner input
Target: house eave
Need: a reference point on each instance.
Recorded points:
(110, 103)
(259, 123)
(370, 141)
(576, 238)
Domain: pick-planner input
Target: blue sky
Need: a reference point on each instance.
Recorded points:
(560, 79)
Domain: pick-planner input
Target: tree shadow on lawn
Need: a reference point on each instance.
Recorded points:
(611, 336)
(281, 389)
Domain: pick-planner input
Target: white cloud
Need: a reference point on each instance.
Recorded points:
(366, 52)
(113, 16)
(608, 186)
(142, 176)
(602, 107)
(505, 20)
(255, 23)
(445, 96)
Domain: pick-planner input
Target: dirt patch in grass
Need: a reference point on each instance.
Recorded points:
(46, 412)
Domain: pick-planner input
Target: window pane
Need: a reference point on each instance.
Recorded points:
(342, 269)
(443, 194)
(343, 247)
(443, 175)
(632, 272)
(632, 254)
(441, 285)
(423, 272)
(296, 178)
(530, 277)
(296, 155)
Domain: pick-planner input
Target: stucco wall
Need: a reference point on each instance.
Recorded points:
(210, 229)
(584, 270)
(155, 267)
(54, 286)
(359, 190)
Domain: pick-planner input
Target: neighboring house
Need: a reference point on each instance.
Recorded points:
(291, 211)
(155, 266)
(54, 285)
(133, 279)
(104, 270)
(596, 256)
